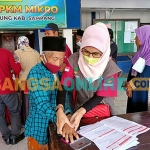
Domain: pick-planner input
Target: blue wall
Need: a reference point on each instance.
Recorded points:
(73, 8)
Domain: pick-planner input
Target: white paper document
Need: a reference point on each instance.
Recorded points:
(131, 26)
(127, 36)
(126, 126)
(113, 133)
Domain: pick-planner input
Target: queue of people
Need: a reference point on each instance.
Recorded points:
(61, 87)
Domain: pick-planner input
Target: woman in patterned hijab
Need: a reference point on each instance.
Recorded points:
(23, 41)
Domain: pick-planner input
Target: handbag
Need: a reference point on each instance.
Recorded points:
(102, 110)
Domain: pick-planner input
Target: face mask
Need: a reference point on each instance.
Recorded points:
(54, 69)
(79, 44)
(90, 61)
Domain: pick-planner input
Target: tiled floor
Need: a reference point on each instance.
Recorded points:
(22, 145)
(120, 103)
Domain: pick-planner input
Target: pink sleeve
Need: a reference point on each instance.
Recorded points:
(67, 78)
(67, 54)
(108, 87)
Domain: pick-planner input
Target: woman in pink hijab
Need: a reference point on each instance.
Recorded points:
(94, 76)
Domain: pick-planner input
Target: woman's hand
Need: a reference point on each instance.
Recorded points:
(63, 67)
(61, 120)
(69, 116)
(128, 89)
(68, 133)
(75, 119)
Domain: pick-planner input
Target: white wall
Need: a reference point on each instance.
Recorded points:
(117, 14)
(115, 3)
(85, 20)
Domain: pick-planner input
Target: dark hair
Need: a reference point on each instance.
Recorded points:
(80, 32)
(111, 33)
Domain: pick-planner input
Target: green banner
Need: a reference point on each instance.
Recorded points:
(32, 14)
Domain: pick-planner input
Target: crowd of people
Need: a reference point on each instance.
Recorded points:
(60, 87)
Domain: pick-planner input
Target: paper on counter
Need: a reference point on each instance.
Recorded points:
(114, 141)
(113, 133)
(126, 126)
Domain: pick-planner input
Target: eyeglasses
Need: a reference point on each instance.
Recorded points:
(94, 54)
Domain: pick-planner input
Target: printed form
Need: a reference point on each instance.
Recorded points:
(114, 133)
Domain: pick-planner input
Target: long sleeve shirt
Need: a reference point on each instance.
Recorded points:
(7, 65)
(42, 96)
(28, 58)
(114, 50)
(105, 89)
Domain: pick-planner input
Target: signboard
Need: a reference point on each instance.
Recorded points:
(32, 14)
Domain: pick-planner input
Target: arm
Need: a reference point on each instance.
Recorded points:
(40, 95)
(66, 81)
(104, 91)
(16, 67)
(93, 102)
(61, 117)
(129, 84)
(60, 100)
(114, 50)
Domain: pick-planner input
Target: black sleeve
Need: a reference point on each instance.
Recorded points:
(93, 102)
(130, 77)
(61, 95)
(114, 50)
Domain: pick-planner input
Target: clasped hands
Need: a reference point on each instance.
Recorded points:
(67, 126)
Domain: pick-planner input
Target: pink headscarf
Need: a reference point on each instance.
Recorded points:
(96, 36)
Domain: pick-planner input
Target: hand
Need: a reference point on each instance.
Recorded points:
(69, 116)
(42, 59)
(63, 67)
(75, 119)
(61, 120)
(129, 92)
(128, 89)
(68, 133)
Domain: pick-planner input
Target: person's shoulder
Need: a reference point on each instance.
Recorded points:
(113, 43)
(18, 51)
(37, 54)
(37, 68)
(73, 57)
(35, 51)
(36, 71)
(111, 69)
(3, 50)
